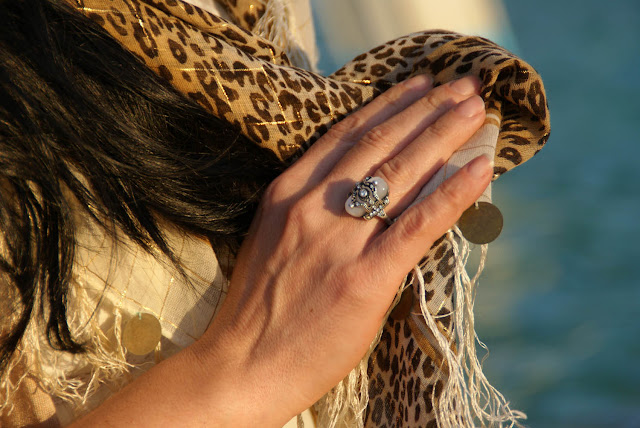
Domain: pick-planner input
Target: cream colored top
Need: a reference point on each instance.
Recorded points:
(113, 284)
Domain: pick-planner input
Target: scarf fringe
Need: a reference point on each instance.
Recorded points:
(468, 398)
(275, 25)
(103, 363)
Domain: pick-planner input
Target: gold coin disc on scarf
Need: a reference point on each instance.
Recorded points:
(403, 309)
(481, 223)
(141, 334)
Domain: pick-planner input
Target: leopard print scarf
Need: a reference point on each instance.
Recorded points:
(251, 83)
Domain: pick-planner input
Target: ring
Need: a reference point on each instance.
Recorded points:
(368, 198)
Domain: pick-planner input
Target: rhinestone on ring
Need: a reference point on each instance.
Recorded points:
(368, 198)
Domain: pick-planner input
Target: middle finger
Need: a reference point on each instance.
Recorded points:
(410, 170)
(386, 140)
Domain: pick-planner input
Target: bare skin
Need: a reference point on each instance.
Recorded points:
(311, 284)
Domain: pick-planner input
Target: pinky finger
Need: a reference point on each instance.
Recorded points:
(406, 241)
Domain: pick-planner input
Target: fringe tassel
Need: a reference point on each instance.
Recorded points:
(275, 25)
(9, 386)
(467, 398)
(103, 363)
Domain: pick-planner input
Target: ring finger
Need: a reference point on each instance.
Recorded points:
(408, 171)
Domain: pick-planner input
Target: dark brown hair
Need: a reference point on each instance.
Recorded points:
(74, 103)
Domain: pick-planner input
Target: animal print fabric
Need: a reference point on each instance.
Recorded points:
(251, 83)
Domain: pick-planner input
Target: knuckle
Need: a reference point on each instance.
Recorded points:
(394, 171)
(277, 191)
(272, 192)
(378, 137)
(432, 101)
(449, 198)
(392, 96)
(438, 130)
(440, 99)
(347, 128)
(413, 222)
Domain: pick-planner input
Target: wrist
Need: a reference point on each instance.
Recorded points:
(239, 390)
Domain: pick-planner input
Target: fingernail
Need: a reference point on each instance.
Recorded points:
(470, 107)
(480, 166)
(421, 81)
(465, 86)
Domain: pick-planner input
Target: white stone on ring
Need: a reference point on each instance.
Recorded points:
(368, 198)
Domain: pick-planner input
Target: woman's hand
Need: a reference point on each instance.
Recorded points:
(312, 284)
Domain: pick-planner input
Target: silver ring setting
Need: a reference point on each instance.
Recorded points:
(368, 198)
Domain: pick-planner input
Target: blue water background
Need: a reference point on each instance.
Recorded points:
(559, 305)
(559, 302)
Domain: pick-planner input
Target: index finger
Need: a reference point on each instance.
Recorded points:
(323, 155)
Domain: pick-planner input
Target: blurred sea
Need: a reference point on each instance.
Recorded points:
(559, 302)
(559, 306)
